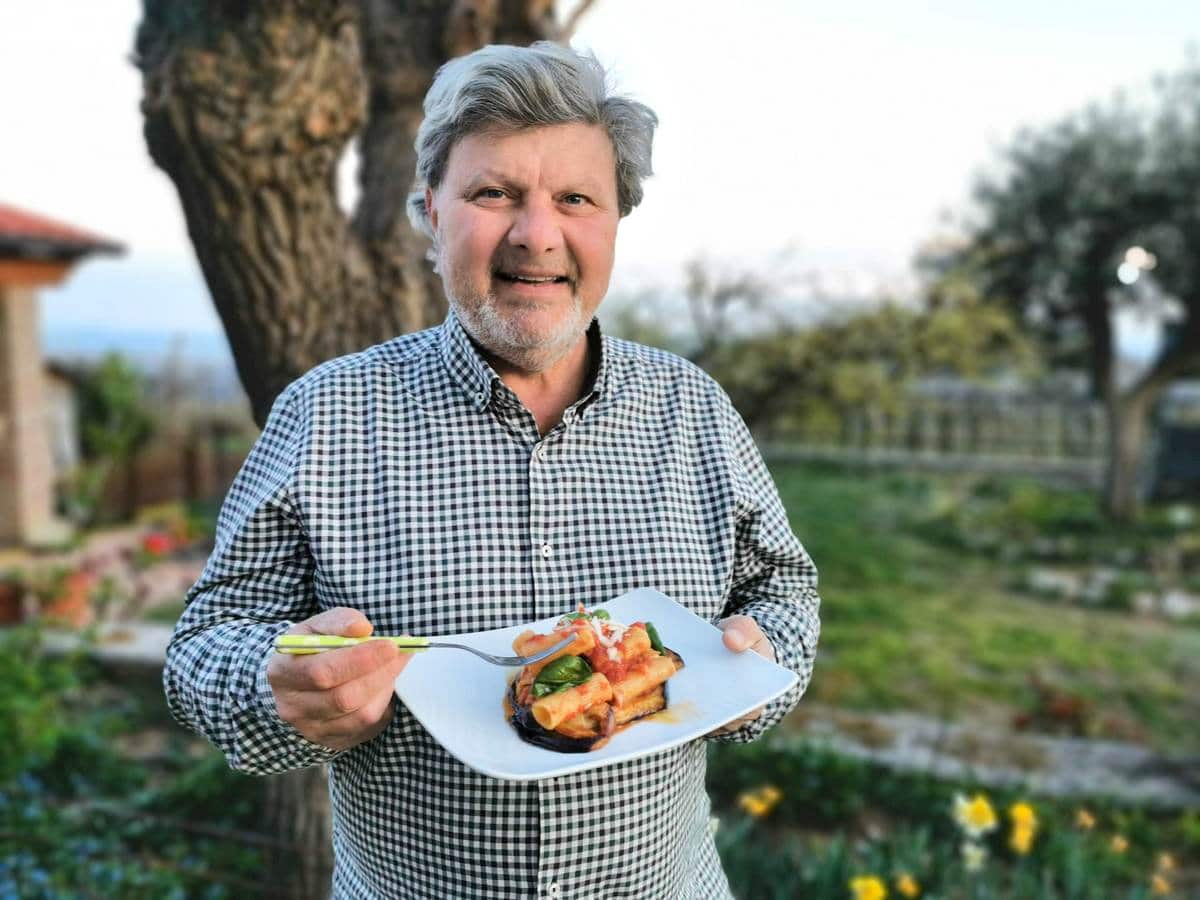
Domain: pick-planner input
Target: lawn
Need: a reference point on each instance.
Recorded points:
(921, 613)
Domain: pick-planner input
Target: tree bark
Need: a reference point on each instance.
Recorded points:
(248, 107)
(1123, 492)
(1129, 421)
(296, 812)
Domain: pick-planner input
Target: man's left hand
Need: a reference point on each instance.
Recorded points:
(741, 633)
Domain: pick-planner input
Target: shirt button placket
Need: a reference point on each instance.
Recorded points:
(548, 797)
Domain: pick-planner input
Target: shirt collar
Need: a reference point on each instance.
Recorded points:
(464, 363)
(480, 382)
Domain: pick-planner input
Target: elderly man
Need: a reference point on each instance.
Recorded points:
(492, 471)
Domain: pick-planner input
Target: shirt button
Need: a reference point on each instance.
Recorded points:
(554, 890)
(540, 452)
(547, 551)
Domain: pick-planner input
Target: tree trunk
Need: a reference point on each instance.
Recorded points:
(1127, 427)
(248, 108)
(296, 812)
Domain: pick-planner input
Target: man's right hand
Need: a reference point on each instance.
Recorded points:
(338, 698)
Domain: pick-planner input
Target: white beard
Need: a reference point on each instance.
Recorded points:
(506, 336)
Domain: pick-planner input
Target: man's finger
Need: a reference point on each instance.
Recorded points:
(729, 727)
(742, 633)
(340, 620)
(345, 699)
(327, 670)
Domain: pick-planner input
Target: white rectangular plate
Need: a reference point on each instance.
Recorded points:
(459, 697)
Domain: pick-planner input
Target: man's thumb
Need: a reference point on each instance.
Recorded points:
(340, 620)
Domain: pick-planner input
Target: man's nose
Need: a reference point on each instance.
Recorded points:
(536, 228)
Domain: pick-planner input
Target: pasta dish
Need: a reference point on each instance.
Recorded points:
(576, 699)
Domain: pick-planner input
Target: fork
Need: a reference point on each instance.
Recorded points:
(305, 644)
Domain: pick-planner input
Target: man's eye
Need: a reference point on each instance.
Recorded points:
(491, 194)
(575, 199)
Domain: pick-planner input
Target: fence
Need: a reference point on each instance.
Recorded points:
(955, 426)
(199, 466)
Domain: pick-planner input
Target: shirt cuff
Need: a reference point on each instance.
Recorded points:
(290, 749)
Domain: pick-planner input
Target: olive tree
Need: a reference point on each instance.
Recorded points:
(1053, 226)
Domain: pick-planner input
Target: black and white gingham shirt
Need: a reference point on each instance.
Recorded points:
(409, 482)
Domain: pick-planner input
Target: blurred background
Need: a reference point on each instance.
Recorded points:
(945, 260)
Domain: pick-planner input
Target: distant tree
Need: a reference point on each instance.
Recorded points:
(115, 422)
(816, 377)
(1054, 225)
(249, 107)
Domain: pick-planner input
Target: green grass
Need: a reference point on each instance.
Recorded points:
(912, 621)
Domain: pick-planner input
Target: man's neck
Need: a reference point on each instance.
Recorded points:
(548, 393)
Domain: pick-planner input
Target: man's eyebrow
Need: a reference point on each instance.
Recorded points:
(587, 184)
(489, 176)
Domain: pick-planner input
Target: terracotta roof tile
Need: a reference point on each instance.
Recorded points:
(27, 235)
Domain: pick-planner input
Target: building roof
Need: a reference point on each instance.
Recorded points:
(25, 235)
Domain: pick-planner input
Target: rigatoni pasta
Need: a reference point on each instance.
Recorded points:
(610, 675)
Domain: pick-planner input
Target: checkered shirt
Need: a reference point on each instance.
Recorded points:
(409, 482)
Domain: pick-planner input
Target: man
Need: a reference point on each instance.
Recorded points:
(486, 473)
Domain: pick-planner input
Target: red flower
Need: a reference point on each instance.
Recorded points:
(157, 543)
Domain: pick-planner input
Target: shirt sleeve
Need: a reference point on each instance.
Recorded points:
(774, 580)
(256, 584)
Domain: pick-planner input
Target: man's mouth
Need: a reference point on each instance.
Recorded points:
(530, 278)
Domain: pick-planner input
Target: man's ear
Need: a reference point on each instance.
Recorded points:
(431, 210)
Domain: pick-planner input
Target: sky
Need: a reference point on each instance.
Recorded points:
(838, 135)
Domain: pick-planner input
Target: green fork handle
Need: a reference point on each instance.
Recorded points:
(304, 644)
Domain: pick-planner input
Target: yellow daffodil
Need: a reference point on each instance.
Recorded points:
(1025, 825)
(975, 816)
(974, 856)
(1159, 886)
(1166, 862)
(1085, 820)
(906, 885)
(1021, 839)
(759, 803)
(1118, 844)
(868, 887)
(1022, 815)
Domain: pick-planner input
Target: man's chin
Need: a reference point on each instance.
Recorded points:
(523, 337)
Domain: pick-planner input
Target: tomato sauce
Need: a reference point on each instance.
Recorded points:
(612, 669)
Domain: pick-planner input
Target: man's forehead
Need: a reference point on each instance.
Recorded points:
(578, 151)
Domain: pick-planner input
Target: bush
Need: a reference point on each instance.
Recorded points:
(33, 714)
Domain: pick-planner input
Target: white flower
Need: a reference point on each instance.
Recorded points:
(975, 816)
(974, 856)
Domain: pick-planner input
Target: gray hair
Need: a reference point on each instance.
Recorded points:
(506, 88)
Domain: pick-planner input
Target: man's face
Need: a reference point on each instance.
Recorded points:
(526, 224)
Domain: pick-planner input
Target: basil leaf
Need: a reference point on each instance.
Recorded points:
(562, 673)
(600, 614)
(655, 641)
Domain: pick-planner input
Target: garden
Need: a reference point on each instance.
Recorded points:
(932, 608)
